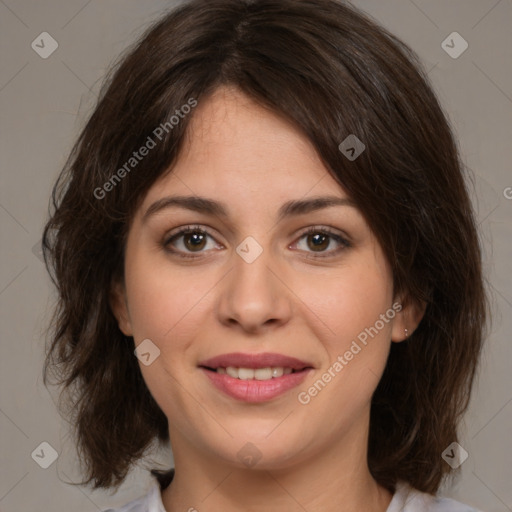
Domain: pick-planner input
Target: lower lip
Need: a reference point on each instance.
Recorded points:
(255, 390)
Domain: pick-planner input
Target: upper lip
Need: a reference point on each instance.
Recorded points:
(263, 360)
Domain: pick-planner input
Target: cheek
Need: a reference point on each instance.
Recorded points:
(356, 343)
(164, 307)
(160, 301)
(350, 302)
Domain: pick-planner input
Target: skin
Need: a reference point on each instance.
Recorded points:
(294, 299)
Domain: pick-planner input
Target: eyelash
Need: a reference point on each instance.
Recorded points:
(310, 231)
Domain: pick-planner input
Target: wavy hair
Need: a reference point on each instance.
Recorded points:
(331, 70)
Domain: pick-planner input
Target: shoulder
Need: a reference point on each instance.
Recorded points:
(150, 502)
(408, 499)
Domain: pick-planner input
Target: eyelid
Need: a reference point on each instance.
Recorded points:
(340, 238)
(183, 230)
(201, 228)
(334, 234)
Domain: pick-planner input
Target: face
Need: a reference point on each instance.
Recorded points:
(256, 285)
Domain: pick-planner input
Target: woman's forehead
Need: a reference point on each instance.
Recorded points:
(232, 120)
(235, 145)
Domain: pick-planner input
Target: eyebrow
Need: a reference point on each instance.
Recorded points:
(211, 207)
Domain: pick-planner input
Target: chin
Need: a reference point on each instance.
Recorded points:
(255, 449)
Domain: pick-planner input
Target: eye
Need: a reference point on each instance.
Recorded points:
(194, 239)
(191, 239)
(319, 239)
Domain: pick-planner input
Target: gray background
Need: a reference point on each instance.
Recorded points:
(44, 103)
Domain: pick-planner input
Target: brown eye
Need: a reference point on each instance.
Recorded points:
(187, 241)
(318, 241)
(194, 241)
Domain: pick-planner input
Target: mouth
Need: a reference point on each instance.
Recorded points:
(266, 373)
(255, 377)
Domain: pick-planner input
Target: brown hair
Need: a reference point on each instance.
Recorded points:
(332, 71)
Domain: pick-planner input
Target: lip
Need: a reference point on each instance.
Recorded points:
(255, 391)
(241, 360)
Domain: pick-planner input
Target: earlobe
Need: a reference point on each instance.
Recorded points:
(119, 307)
(407, 320)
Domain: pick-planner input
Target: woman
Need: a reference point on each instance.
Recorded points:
(266, 256)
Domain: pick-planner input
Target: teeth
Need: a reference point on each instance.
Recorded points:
(277, 372)
(232, 372)
(245, 373)
(252, 373)
(263, 373)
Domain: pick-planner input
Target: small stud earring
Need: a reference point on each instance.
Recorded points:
(406, 333)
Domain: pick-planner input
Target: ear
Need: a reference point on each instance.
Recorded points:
(119, 306)
(407, 318)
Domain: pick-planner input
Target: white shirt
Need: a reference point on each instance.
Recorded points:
(405, 499)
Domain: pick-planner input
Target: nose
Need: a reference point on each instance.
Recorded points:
(254, 297)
